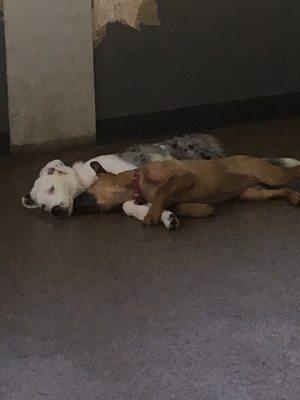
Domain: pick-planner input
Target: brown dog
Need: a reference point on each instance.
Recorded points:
(191, 187)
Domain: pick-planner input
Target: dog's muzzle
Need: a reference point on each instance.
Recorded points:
(59, 212)
(85, 203)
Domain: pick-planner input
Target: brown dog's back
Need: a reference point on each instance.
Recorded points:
(211, 181)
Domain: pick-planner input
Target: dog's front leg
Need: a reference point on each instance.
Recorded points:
(175, 184)
(169, 219)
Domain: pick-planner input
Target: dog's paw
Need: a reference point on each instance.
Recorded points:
(295, 198)
(170, 220)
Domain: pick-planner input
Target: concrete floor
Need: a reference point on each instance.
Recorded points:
(100, 307)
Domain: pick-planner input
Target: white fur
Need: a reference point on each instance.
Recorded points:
(290, 162)
(52, 164)
(111, 163)
(69, 182)
(65, 187)
(114, 164)
(168, 218)
(132, 209)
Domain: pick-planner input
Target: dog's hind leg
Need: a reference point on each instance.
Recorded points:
(279, 176)
(273, 175)
(264, 171)
(168, 218)
(257, 193)
(196, 210)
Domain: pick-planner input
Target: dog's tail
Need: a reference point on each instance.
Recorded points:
(283, 162)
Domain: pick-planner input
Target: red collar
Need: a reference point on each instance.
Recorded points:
(136, 186)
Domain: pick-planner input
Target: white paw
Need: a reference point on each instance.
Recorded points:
(129, 207)
(132, 209)
(170, 220)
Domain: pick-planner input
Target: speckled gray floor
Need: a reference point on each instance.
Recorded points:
(101, 307)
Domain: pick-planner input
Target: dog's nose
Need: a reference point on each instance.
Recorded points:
(59, 211)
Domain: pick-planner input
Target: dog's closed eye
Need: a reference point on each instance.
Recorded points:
(51, 171)
(51, 190)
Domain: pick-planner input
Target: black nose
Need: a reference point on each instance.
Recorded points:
(59, 211)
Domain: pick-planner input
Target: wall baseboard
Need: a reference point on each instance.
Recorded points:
(4, 143)
(53, 146)
(203, 117)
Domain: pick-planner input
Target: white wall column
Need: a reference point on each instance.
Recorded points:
(50, 70)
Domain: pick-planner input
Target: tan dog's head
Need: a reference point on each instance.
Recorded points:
(104, 195)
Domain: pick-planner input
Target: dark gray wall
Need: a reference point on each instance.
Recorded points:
(203, 52)
(3, 87)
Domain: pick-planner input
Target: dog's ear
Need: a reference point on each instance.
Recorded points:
(97, 167)
(28, 202)
(50, 168)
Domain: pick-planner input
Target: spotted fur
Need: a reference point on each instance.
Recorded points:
(193, 146)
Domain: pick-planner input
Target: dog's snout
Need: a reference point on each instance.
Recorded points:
(59, 211)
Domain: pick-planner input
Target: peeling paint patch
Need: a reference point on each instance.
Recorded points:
(147, 13)
(133, 13)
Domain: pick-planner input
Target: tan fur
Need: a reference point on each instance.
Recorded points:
(196, 210)
(266, 194)
(193, 185)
